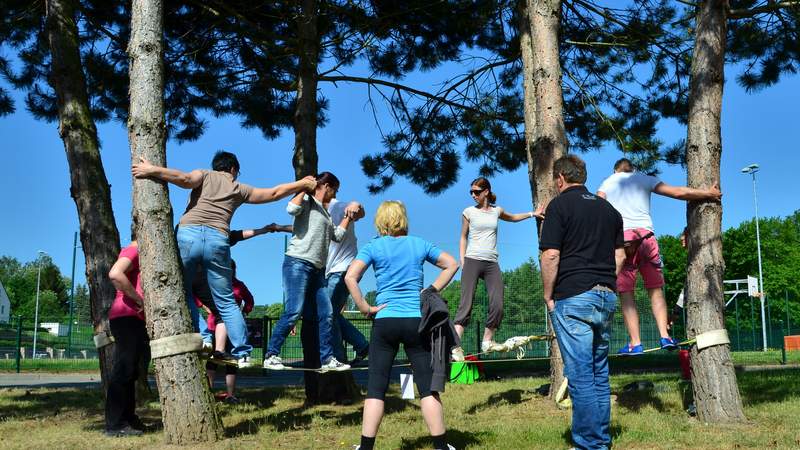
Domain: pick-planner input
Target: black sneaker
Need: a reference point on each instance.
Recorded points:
(224, 358)
(124, 432)
(137, 424)
(231, 400)
(360, 356)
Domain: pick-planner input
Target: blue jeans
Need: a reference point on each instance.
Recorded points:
(209, 248)
(583, 328)
(336, 291)
(304, 286)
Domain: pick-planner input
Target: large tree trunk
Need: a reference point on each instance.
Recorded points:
(714, 379)
(545, 137)
(333, 387)
(90, 189)
(187, 407)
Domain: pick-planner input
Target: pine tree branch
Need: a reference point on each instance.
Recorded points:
(771, 7)
(398, 86)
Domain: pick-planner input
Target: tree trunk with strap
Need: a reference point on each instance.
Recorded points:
(716, 393)
(89, 189)
(187, 406)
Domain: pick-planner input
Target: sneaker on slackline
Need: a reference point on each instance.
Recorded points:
(334, 365)
(457, 354)
(273, 362)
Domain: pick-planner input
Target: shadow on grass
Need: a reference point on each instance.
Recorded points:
(510, 397)
(300, 418)
(635, 401)
(37, 403)
(455, 437)
(769, 386)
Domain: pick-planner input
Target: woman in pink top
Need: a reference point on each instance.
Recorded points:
(126, 318)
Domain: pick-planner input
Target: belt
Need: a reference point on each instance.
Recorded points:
(600, 287)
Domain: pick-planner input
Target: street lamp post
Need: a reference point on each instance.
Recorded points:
(752, 169)
(72, 295)
(36, 313)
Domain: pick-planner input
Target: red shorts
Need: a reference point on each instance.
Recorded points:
(646, 261)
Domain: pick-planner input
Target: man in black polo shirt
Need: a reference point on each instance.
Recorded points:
(582, 245)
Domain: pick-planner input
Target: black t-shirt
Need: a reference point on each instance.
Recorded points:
(587, 230)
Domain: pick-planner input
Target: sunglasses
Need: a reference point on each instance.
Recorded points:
(476, 191)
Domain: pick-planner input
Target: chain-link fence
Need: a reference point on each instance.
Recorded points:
(59, 346)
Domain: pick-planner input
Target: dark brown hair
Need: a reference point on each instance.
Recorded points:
(327, 178)
(483, 183)
(571, 167)
(623, 165)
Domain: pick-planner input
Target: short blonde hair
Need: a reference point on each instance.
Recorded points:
(391, 219)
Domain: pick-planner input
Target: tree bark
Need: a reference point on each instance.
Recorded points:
(305, 115)
(187, 407)
(545, 137)
(335, 387)
(89, 188)
(716, 393)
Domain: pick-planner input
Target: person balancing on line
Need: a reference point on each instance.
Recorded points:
(478, 251)
(203, 235)
(629, 192)
(304, 269)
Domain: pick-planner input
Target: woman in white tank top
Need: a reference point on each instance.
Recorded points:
(478, 252)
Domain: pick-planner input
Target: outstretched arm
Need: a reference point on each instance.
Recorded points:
(186, 180)
(266, 195)
(687, 193)
(508, 217)
(462, 242)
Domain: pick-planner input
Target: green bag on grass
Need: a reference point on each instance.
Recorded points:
(463, 373)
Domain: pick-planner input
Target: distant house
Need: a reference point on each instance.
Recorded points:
(5, 305)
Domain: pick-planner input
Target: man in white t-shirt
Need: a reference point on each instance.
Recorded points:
(340, 255)
(629, 192)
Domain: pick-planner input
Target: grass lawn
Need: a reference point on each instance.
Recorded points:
(504, 414)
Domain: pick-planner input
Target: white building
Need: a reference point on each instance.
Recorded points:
(5, 305)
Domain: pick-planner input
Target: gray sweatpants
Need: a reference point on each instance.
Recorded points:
(490, 272)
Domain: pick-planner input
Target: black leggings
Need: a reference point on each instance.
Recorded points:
(131, 344)
(387, 335)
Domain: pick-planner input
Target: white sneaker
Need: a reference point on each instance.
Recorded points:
(243, 362)
(274, 363)
(334, 365)
(457, 354)
(208, 347)
(450, 447)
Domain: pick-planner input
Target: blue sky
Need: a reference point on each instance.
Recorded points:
(38, 213)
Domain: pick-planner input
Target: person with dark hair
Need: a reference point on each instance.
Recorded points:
(582, 251)
(203, 235)
(304, 269)
(132, 345)
(478, 253)
(629, 192)
(398, 261)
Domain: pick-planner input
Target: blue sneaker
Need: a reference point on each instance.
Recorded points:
(668, 343)
(631, 350)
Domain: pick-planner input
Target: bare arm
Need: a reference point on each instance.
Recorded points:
(619, 259)
(601, 194)
(508, 217)
(351, 279)
(449, 268)
(462, 243)
(687, 193)
(186, 180)
(266, 195)
(550, 259)
(121, 281)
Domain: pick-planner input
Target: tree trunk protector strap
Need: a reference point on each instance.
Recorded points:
(712, 338)
(175, 345)
(103, 339)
